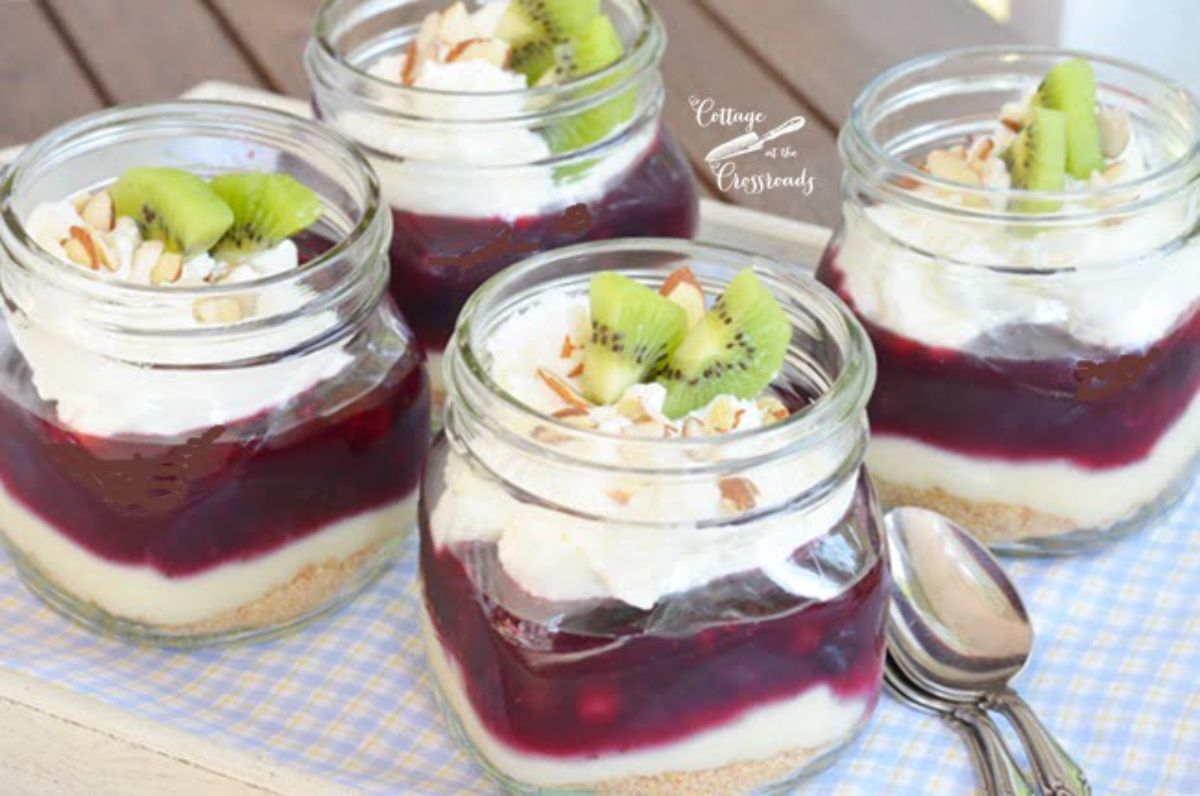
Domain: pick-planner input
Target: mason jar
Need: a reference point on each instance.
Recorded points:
(472, 183)
(172, 479)
(1039, 373)
(612, 613)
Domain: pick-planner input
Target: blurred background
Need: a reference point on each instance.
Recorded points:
(781, 58)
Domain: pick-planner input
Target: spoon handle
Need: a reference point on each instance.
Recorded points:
(1002, 775)
(1056, 773)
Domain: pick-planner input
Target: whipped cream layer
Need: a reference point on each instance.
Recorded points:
(616, 528)
(142, 594)
(815, 720)
(1088, 498)
(923, 273)
(108, 395)
(472, 167)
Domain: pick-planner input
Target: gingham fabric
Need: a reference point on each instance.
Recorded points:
(1115, 674)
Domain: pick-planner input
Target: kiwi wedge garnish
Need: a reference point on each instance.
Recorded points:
(267, 209)
(633, 331)
(173, 206)
(736, 348)
(596, 47)
(1070, 88)
(533, 28)
(1037, 158)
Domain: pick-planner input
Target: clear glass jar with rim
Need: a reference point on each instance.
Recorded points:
(472, 182)
(173, 480)
(1039, 373)
(622, 614)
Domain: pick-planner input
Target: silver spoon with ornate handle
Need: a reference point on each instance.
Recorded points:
(999, 771)
(958, 628)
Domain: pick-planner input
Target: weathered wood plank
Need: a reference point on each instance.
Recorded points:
(742, 83)
(43, 85)
(828, 49)
(274, 33)
(139, 50)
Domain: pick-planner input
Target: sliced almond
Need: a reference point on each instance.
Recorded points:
(620, 496)
(684, 289)
(693, 427)
(952, 166)
(563, 390)
(223, 309)
(1014, 115)
(145, 257)
(1114, 130)
(576, 371)
(721, 416)
(168, 269)
(570, 411)
(493, 51)
(772, 409)
(78, 253)
(548, 435)
(98, 212)
(568, 348)
(80, 202)
(421, 49)
(455, 25)
(738, 494)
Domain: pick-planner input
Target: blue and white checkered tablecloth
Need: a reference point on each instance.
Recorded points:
(1116, 675)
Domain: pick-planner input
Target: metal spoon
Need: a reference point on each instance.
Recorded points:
(959, 629)
(999, 771)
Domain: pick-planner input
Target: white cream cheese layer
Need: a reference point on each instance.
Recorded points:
(815, 720)
(110, 395)
(125, 590)
(614, 538)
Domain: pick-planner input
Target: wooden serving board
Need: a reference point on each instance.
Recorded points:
(56, 741)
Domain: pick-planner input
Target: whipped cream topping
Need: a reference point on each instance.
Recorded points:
(421, 164)
(922, 274)
(614, 530)
(112, 394)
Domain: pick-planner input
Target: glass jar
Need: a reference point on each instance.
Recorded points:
(472, 183)
(617, 614)
(173, 481)
(1039, 373)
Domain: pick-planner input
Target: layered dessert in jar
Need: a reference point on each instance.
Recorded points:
(212, 421)
(1020, 243)
(651, 559)
(500, 129)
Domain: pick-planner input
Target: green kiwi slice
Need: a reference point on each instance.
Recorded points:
(1037, 159)
(267, 209)
(173, 206)
(736, 348)
(596, 47)
(633, 331)
(533, 28)
(1070, 87)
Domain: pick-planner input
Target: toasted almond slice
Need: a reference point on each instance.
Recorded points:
(576, 371)
(1114, 130)
(145, 257)
(493, 51)
(684, 289)
(982, 149)
(568, 348)
(620, 496)
(721, 416)
(421, 49)
(98, 212)
(455, 26)
(1011, 124)
(223, 309)
(97, 247)
(949, 165)
(80, 202)
(738, 494)
(772, 409)
(693, 427)
(563, 390)
(78, 253)
(168, 269)
(570, 411)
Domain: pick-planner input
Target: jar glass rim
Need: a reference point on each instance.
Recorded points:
(646, 52)
(842, 401)
(98, 128)
(1176, 175)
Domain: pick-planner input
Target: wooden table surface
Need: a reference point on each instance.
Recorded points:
(781, 58)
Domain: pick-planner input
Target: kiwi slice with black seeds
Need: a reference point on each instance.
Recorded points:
(172, 205)
(267, 209)
(633, 331)
(736, 348)
(1070, 87)
(534, 27)
(1037, 159)
(595, 48)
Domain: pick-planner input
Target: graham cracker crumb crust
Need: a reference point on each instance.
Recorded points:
(727, 780)
(990, 522)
